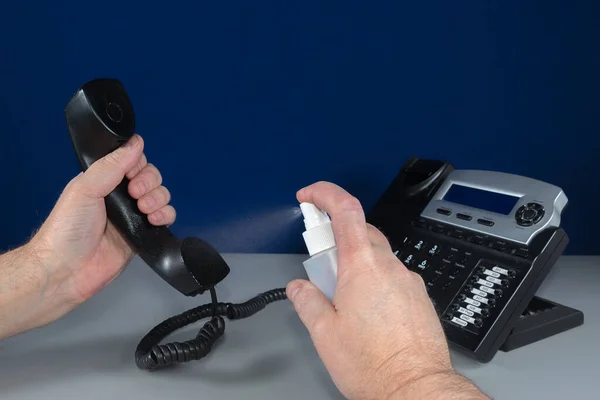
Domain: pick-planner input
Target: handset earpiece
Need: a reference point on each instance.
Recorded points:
(100, 118)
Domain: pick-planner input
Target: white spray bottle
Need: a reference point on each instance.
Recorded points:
(321, 267)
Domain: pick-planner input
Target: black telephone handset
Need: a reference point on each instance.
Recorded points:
(100, 118)
(483, 242)
(412, 187)
(420, 177)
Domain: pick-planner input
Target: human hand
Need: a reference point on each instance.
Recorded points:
(77, 252)
(381, 338)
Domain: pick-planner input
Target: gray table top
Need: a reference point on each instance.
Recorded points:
(89, 353)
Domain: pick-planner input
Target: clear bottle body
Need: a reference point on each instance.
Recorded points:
(321, 269)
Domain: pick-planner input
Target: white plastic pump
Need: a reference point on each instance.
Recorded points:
(321, 267)
(319, 232)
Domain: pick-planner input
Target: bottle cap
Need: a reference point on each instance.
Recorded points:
(319, 232)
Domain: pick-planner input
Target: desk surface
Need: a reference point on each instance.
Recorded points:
(89, 353)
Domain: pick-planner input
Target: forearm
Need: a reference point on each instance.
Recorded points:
(443, 386)
(25, 286)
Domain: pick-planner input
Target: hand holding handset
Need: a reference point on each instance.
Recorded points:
(100, 118)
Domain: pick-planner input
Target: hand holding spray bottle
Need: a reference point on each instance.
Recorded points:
(321, 267)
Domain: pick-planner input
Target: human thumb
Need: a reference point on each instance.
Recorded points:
(104, 175)
(313, 308)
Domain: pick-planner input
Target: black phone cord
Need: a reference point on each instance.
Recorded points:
(151, 355)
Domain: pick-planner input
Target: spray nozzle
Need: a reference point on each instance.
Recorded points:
(319, 233)
(313, 216)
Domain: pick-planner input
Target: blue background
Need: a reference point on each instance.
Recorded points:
(234, 97)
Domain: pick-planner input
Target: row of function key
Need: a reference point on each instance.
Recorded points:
(474, 304)
(472, 237)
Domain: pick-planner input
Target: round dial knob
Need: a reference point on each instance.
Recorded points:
(529, 214)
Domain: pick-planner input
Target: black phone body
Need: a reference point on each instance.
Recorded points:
(482, 241)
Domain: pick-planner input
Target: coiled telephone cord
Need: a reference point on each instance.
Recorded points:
(151, 355)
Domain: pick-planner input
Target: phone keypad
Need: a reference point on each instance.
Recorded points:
(464, 285)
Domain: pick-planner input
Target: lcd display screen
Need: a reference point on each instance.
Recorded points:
(484, 200)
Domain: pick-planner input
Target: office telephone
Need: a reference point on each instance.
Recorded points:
(483, 242)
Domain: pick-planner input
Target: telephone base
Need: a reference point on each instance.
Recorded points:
(541, 319)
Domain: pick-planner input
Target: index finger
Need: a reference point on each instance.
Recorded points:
(347, 218)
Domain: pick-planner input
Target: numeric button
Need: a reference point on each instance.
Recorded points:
(423, 264)
(405, 242)
(419, 245)
(409, 260)
(434, 250)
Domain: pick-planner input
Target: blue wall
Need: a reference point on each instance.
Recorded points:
(236, 89)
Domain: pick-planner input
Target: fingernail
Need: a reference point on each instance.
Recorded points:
(158, 216)
(141, 187)
(150, 201)
(293, 290)
(132, 142)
